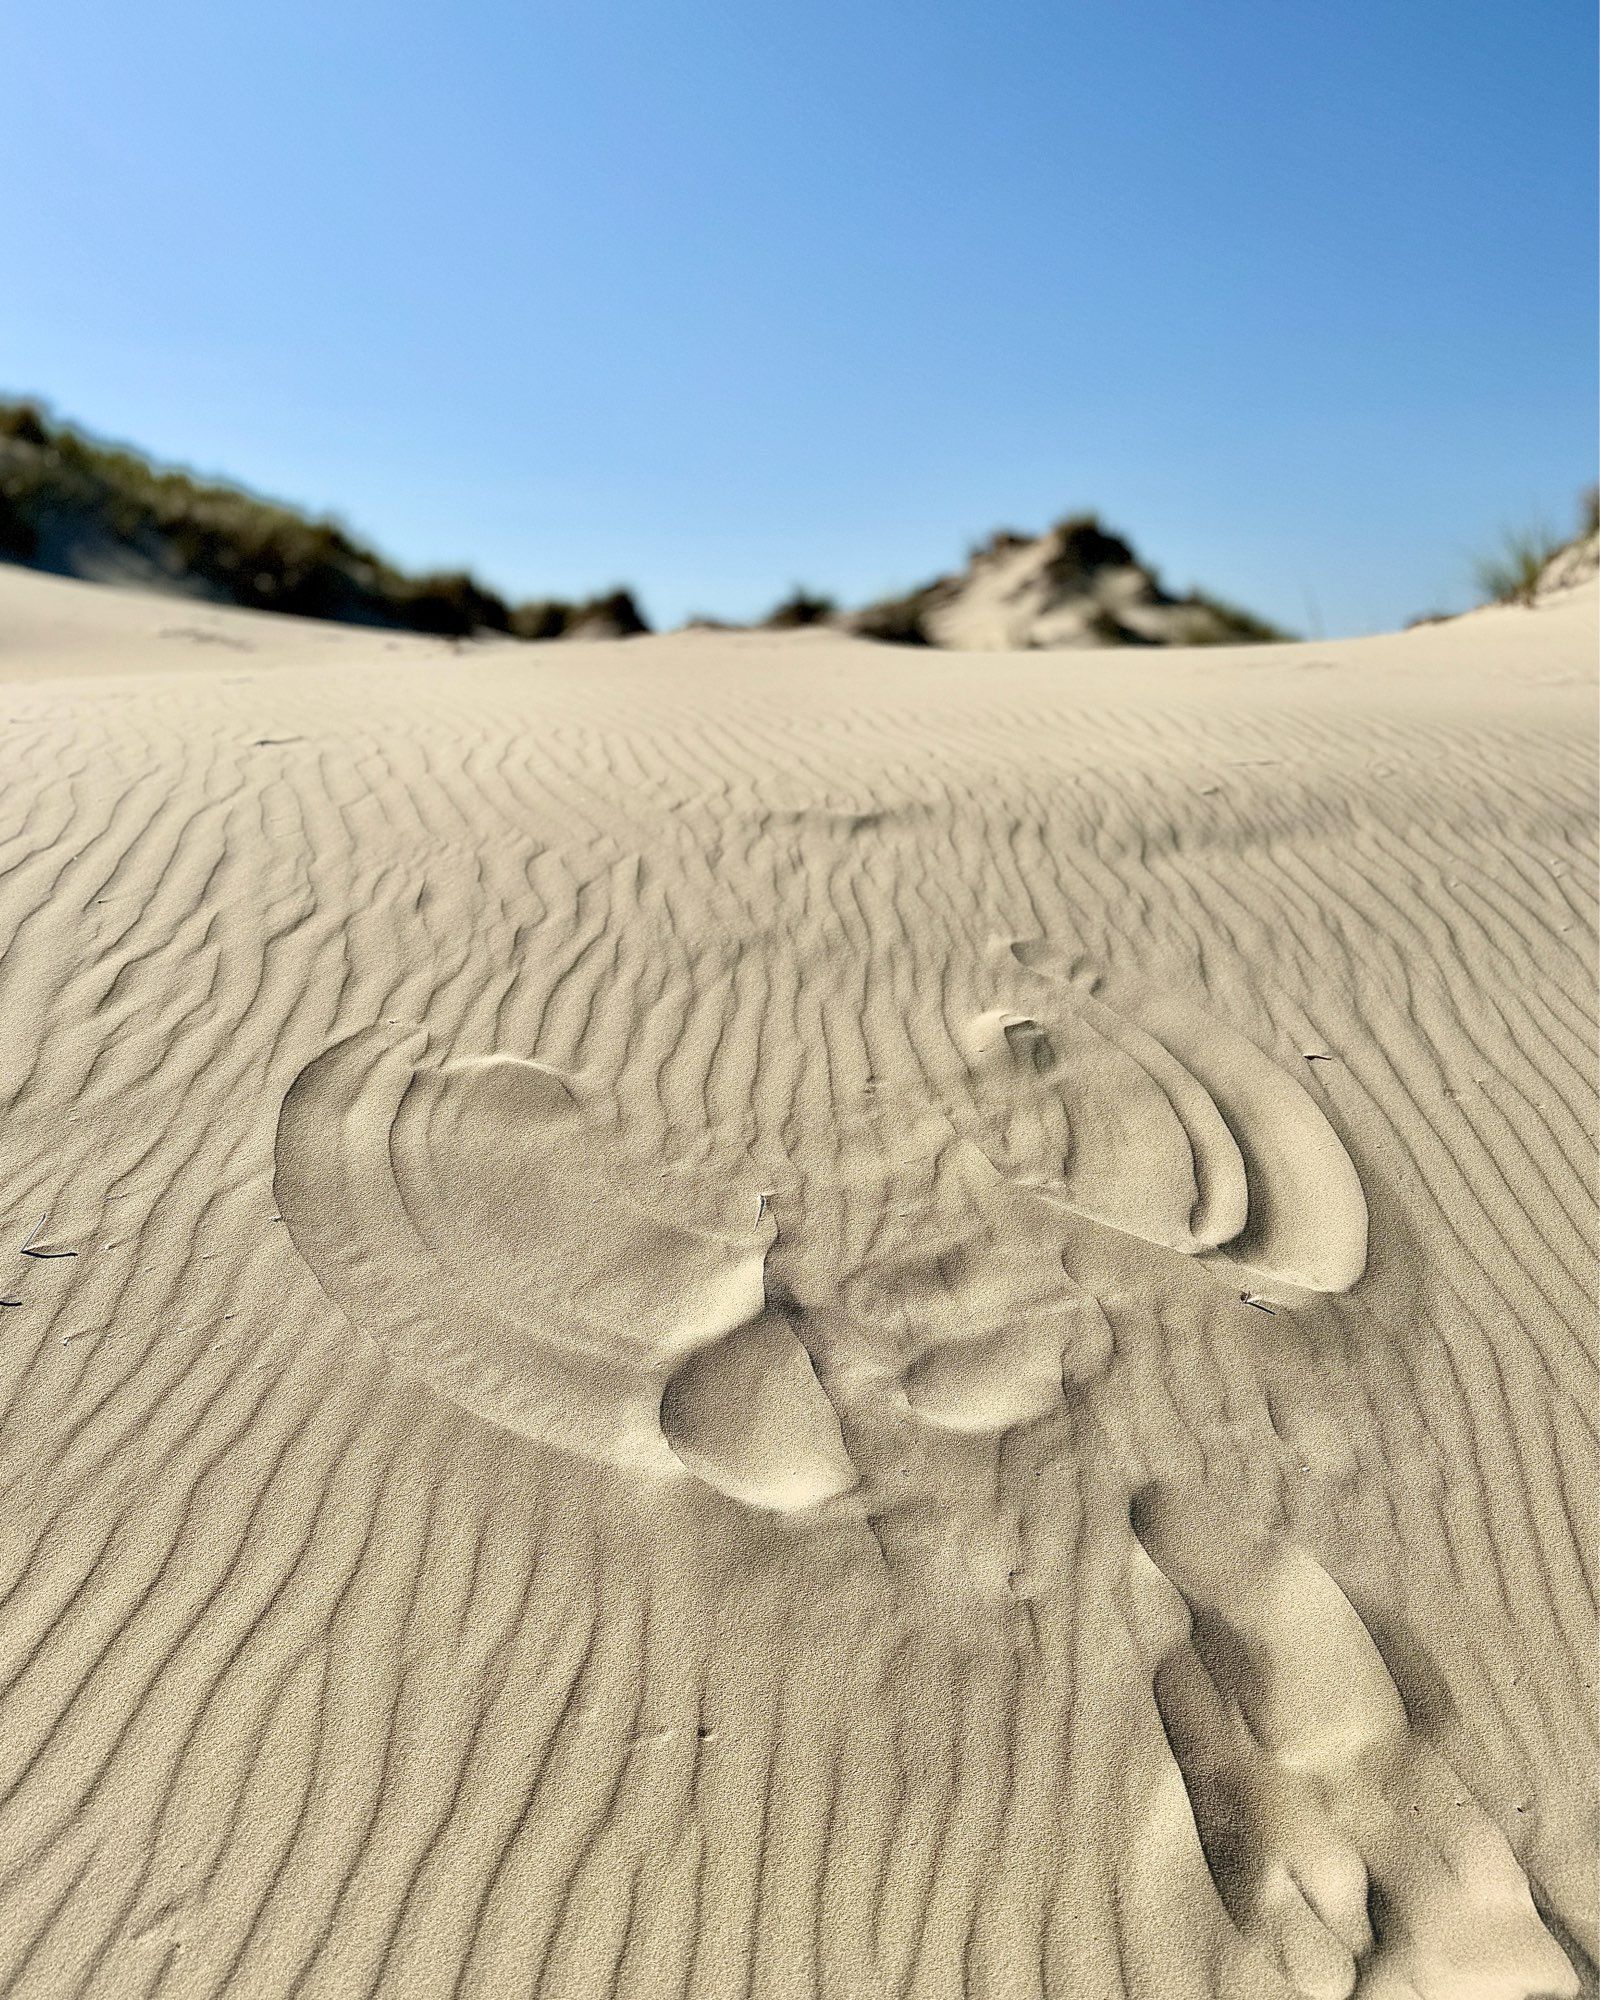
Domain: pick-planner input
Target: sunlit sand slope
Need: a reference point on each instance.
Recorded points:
(751, 1316)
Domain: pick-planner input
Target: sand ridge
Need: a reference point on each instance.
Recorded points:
(750, 1315)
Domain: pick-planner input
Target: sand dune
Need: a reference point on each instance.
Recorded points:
(752, 1316)
(1076, 585)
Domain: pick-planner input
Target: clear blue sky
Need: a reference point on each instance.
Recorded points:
(713, 298)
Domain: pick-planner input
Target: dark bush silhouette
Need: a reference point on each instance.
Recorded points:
(73, 505)
(1083, 549)
(895, 621)
(615, 613)
(801, 607)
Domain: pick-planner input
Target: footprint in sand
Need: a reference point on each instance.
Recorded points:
(1340, 1841)
(476, 1220)
(1160, 1122)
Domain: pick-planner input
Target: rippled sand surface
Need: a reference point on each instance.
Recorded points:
(753, 1317)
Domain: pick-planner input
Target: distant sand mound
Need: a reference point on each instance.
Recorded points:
(1075, 586)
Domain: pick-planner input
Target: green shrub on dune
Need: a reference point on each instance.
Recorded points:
(1509, 573)
(77, 507)
(800, 608)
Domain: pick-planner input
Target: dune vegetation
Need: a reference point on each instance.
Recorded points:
(76, 506)
(1076, 585)
(1513, 570)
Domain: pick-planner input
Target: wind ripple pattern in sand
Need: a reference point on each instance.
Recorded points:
(481, 1225)
(316, 1683)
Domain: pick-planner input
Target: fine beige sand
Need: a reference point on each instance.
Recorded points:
(752, 1317)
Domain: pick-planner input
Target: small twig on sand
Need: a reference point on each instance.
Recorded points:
(33, 1248)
